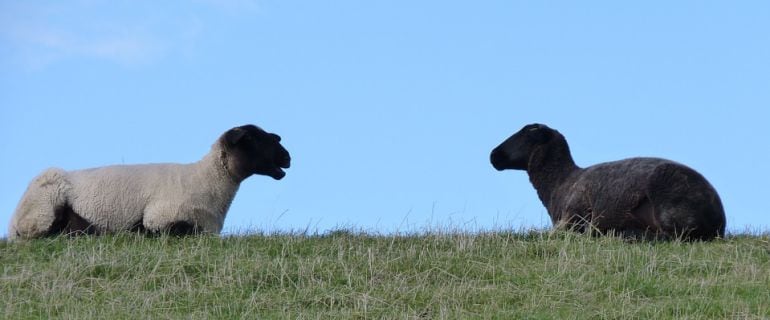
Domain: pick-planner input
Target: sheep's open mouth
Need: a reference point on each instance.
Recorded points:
(278, 172)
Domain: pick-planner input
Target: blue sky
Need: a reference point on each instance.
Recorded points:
(389, 108)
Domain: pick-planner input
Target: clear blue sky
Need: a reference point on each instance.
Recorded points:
(389, 108)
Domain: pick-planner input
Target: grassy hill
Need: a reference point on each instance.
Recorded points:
(345, 274)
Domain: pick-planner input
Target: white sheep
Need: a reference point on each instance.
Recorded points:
(173, 198)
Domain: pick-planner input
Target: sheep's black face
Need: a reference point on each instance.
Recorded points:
(255, 151)
(514, 152)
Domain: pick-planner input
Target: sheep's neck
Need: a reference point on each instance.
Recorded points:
(549, 168)
(221, 187)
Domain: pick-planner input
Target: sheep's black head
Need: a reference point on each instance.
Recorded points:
(515, 152)
(251, 150)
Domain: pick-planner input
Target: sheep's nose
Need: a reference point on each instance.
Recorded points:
(497, 158)
(495, 155)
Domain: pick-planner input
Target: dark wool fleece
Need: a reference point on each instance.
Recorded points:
(634, 197)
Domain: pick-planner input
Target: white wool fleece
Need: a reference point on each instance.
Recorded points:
(118, 197)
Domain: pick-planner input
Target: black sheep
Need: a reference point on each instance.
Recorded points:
(636, 197)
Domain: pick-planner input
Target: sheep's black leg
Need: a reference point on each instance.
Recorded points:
(78, 225)
(138, 227)
(182, 228)
(633, 235)
(67, 221)
(59, 222)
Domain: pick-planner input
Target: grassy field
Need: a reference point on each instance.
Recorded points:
(504, 275)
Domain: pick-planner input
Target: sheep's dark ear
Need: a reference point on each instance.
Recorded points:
(234, 135)
(276, 137)
(541, 134)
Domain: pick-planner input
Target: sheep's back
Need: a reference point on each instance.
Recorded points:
(617, 186)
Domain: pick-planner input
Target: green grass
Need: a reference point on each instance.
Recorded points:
(502, 275)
